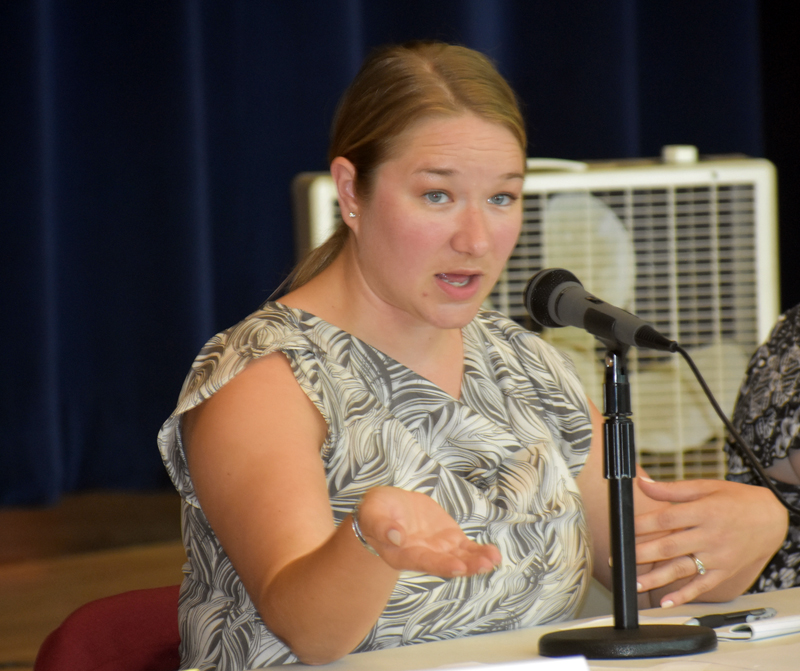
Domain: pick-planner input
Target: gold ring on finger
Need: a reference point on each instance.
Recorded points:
(701, 567)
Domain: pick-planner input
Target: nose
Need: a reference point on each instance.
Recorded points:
(472, 232)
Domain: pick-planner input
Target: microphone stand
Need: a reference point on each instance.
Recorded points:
(626, 638)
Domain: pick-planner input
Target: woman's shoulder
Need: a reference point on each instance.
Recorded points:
(248, 345)
(526, 350)
(777, 360)
(501, 326)
(272, 328)
(787, 327)
(524, 342)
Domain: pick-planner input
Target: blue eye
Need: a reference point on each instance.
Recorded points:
(502, 199)
(436, 196)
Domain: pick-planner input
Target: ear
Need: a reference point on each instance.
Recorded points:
(344, 177)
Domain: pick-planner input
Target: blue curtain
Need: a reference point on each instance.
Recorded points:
(148, 147)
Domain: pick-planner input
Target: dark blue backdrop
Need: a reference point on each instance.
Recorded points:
(148, 147)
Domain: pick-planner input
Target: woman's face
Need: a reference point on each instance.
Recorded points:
(443, 217)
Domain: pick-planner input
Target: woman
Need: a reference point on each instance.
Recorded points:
(767, 416)
(374, 460)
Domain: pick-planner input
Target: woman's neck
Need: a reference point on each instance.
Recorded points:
(434, 353)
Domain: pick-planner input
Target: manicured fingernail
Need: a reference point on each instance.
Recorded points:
(646, 479)
(667, 604)
(458, 574)
(638, 587)
(610, 561)
(484, 569)
(394, 536)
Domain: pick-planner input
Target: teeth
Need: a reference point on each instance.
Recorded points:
(455, 283)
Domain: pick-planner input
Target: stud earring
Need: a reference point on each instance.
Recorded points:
(353, 215)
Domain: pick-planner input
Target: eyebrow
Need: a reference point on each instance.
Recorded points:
(446, 172)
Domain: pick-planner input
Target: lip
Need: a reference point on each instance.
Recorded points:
(460, 293)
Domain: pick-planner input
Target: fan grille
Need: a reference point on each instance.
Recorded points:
(696, 282)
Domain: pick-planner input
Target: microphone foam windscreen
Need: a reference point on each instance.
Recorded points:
(539, 290)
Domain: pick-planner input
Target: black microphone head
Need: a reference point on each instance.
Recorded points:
(541, 288)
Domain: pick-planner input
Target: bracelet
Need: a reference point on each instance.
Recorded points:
(357, 531)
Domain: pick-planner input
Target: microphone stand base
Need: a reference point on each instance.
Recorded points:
(650, 640)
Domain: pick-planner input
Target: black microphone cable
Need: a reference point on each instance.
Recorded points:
(743, 447)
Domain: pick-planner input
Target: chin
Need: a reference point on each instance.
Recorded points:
(454, 316)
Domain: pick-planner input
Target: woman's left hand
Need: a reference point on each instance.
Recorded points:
(732, 528)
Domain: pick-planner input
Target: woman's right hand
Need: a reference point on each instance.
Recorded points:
(411, 532)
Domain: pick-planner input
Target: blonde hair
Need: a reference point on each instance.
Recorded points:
(397, 87)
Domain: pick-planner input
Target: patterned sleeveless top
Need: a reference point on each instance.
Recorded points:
(767, 416)
(501, 460)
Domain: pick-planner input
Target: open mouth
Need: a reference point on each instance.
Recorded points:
(455, 280)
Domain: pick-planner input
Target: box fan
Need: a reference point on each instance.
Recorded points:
(688, 244)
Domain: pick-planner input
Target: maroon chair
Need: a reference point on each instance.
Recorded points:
(132, 631)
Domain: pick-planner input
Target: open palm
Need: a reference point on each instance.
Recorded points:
(412, 532)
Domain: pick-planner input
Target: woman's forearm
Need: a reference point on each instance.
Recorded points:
(324, 603)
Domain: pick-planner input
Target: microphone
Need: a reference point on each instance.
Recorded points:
(554, 297)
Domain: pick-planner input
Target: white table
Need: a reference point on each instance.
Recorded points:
(776, 654)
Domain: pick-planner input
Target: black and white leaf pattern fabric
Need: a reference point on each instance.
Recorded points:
(767, 415)
(501, 460)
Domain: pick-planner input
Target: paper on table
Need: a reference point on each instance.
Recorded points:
(754, 631)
